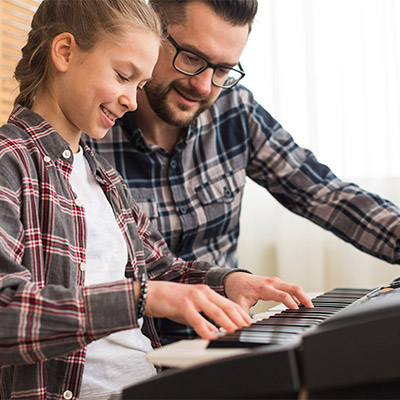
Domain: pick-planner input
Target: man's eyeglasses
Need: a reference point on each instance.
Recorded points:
(190, 63)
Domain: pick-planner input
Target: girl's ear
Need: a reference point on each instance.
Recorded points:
(62, 49)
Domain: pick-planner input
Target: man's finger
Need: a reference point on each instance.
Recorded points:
(296, 292)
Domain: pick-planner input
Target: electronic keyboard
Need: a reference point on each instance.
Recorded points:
(347, 346)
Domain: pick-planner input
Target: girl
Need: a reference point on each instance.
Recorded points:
(75, 251)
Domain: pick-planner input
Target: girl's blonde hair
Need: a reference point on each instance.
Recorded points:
(88, 21)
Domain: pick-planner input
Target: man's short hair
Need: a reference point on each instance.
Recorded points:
(236, 12)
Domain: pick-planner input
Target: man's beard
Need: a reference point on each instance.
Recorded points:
(157, 96)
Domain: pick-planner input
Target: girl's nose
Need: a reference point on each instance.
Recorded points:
(128, 101)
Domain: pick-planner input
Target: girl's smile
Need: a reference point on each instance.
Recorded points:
(109, 115)
(89, 90)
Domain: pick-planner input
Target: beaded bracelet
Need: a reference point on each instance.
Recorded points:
(142, 295)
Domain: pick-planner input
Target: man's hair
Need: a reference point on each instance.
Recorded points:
(88, 21)
(236, 12)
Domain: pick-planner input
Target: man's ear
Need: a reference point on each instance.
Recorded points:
(62, 49)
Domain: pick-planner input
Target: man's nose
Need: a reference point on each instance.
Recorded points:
(203, 82)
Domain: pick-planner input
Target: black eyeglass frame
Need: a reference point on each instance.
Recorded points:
(208, 64)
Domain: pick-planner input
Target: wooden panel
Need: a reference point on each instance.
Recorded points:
(15, 20)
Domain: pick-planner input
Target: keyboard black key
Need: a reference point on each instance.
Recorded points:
(286, 325)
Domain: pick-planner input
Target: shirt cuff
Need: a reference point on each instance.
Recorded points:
(216, 277)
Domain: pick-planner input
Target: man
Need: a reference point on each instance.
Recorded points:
(186, 151)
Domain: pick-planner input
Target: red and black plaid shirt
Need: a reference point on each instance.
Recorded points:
(47, 313)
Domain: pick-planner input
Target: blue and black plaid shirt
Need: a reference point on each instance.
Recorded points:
(193, 196)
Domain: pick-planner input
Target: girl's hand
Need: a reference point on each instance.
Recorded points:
(183, 303)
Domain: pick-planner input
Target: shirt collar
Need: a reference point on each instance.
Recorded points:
(48, 141)
(51, 144)
(129, 125)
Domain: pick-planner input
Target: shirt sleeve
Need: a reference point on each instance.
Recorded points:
(310, 189)
(41, 320)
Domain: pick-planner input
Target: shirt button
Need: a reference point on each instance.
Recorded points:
(227, 192)
(78, 202)
(66, 154)
(67, 395)
(82, 266)
(183, 210)
(173, 164)
(46, 159)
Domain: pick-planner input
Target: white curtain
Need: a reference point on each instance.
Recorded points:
(329, 72)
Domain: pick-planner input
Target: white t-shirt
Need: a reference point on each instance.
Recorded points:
(118, 360)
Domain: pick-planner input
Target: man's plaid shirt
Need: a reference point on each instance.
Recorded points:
(193, 196)
(47, 314)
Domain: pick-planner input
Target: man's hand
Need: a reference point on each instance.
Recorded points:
(246, 289)
(184, 303)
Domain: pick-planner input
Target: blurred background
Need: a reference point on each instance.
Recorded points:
(15, 19)
(329, 72)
